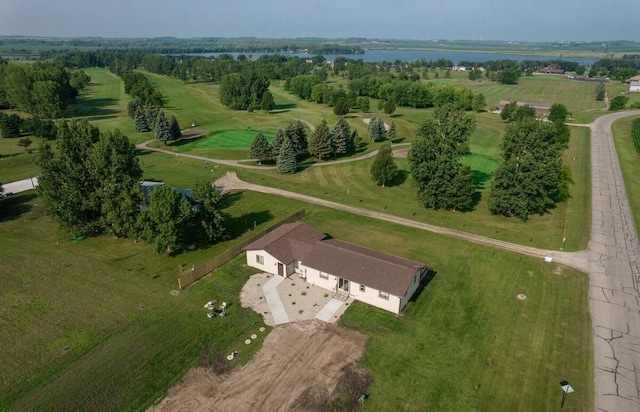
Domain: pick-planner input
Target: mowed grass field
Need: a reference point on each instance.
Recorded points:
(93, 326)
(630, 164)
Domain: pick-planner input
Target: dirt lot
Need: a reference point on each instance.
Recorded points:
(295, 357)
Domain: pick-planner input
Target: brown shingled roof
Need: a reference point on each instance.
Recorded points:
(288, 242)
(381, 271)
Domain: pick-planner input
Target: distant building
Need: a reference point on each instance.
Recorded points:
(634, 84)
(551, 70)
(542, 109)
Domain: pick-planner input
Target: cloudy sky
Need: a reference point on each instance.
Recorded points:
(536, 20)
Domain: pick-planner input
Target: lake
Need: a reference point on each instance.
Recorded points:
(375, 55)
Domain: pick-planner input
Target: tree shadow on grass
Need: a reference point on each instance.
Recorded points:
(238, 226)
(230, 198)
(94, 108)
(14, 206)
(479, 179)
(285, 106)
(398, 140)
(399, 178)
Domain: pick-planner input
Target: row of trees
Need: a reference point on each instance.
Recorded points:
(42, 89)
(245, 91)
(12, 125)
(90, 185)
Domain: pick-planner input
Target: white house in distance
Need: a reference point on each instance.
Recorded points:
(634, 84)
(385, 281)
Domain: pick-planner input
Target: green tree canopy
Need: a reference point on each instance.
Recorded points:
(341, 107)
(267, 103)
(434, 158)
(377, 131)
(320, 142)
(286, 160)
(383, 168)
(162, 131)
(261, 149)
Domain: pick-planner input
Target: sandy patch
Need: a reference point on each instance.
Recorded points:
(367, 120)
(294, 358)
(301, 300)
(401, 153)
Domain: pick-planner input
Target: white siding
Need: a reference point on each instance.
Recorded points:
(412, 289)
(634, 88)
(270, 263)
(313, 277)
(371, 296)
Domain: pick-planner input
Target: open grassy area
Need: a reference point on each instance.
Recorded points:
(467, 342)
(92, 325)
(630, 164)
(231, 139)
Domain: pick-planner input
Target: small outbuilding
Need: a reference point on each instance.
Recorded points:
(347, 270)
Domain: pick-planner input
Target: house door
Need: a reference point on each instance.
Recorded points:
(343, 284)
(280, 269)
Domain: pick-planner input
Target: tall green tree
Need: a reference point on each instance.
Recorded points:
(25, 142)
(618, 103)
(210, 220)
(89, 183)
(267, 104)
(377, 131)
(140, 120)
(162, 131)
(384, 169)
(320, 142)
(339, 135)
(297, 134)
(558, 113)
(277, 142)
(531, 178)
(434, 158)
(479, 102)
(286, 161)
(168, 220)
(10, 125)
(174, 129)
(341, 107)
(391, 134)
(390, 105)
(261, 149)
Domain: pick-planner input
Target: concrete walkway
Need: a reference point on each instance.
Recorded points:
(20, 186)
(329, 309)
(276, 307)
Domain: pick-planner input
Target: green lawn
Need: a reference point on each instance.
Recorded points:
(467, 342)
(92, 325)
(630, 164)
(229, 139)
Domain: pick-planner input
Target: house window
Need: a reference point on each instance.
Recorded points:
(324, 275)
(362, 288)
(260, 259)
(383, 295)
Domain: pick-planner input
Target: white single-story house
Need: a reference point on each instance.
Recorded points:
(634, 86)
(347, 270)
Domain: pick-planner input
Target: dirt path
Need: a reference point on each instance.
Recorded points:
(294, 358)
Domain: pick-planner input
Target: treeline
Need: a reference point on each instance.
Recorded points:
(42, 89)
(145, 108)
(12, 125)
(635, 134)
(90, 186)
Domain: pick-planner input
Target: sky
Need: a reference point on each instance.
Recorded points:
(513, 20)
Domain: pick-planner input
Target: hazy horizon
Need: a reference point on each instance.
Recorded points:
(492, 20)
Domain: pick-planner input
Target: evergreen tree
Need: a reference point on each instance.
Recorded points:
(261, 149)
(441, 143)
(384, 168)
(296, 133)
(174, 128)
(132, 108)
(320, 143)
(354, 142)
(391, 134)
(152, 114)
(341, 107)
(390, 105)
(140, 123)
(10, 125)
(162, 132)
(267, 104)
(600, 92)
(277, 143)
(377, 131)
(286, 160)
(340, 134)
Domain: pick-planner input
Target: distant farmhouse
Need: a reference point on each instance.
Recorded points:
(542, 109)
(551, 70)
(634, 84)
(385, 281)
